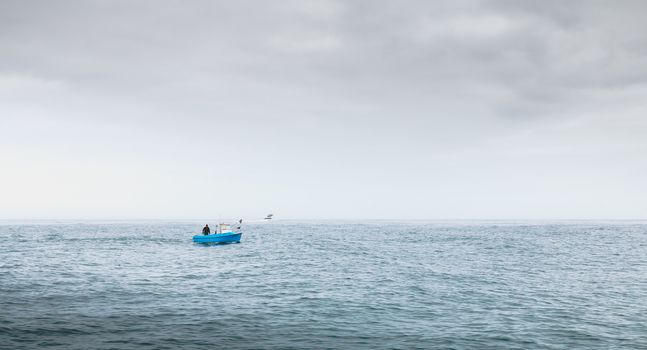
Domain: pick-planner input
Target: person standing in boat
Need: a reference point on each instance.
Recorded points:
(206, 230)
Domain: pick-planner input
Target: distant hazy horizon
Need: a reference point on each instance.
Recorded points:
(414, 110)
(368, 221)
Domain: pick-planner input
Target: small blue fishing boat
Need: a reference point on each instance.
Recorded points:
(222, 235)
(227, 237)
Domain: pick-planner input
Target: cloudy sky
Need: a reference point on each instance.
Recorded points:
(323, 109)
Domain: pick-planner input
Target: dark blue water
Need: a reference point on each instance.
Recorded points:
(325, 285)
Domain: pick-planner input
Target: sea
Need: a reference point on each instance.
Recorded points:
(324, 285)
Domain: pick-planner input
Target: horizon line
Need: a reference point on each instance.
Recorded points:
(319, 219)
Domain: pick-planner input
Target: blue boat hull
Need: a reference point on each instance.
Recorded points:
(230, 237)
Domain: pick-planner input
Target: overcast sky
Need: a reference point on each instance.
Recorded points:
(323, 109)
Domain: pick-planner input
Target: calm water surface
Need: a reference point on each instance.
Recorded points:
(292, 285)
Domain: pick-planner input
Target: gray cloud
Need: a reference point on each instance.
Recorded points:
(357, 100)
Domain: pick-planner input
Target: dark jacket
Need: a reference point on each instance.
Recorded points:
(206, 230)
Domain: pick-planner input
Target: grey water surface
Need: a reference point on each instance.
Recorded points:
(295, 285)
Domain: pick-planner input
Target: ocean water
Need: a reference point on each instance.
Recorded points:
(296, 285)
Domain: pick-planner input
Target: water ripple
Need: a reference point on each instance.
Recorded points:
(322, 285)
